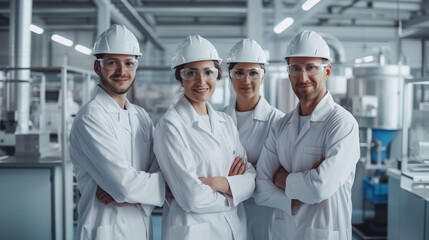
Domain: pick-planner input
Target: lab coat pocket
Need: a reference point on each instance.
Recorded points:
(312, 155)
(316, 234)
(313, 150)
(191, 232)
(105, 232)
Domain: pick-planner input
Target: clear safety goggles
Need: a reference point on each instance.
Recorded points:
(193, 74)
(253, 74)
(309, 68)
(113, 63)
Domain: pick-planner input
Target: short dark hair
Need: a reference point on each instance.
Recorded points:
(180, 67)
(232, 65)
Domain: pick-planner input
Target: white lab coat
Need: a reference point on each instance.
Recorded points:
(326, 191)
(185, 152)
(109, 151)
(253, 134)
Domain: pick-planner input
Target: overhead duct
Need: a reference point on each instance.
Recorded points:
(18, 87)
(336, 46)
(337, 83)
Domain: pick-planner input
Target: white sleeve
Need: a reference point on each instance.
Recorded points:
(154, 169)
(179, 169)
(94, 148)
(342, 153)
(267, 193)
(242, 186)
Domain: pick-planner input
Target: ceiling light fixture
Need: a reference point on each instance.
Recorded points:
(82, 49)
(36, 29)
(64, 41)
(283, 25)
(309, 4)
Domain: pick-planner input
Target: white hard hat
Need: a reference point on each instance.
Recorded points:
(246, 51)
(194, 48)
(117, 40)
(308, 44)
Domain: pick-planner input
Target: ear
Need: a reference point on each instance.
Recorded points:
(262, 80)
(97, 69)
(328, 71)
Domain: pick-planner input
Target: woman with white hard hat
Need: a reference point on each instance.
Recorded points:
(200, 154)
(253, 116)
(111, 149)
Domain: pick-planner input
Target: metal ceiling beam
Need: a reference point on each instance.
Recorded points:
(144, 26)
(194, 11)
(374, 16)
(118, 17)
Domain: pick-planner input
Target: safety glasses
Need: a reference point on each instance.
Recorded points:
(193, 74)
(253, 74)
(113, 63)
(310, 69)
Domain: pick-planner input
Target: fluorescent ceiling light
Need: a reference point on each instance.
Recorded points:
(309, 4)
(358, 60)
(82, 49)
(283, 25)
(64, 41)
(36, 29)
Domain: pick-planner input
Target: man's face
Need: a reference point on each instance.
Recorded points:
(308, 77)
(117, 72)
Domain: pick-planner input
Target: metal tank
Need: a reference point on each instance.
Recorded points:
(376, 94)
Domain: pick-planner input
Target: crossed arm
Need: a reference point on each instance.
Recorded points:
(218, 184)
(280, 178)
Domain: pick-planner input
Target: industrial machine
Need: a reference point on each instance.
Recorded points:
(375, 98)
(376, 103)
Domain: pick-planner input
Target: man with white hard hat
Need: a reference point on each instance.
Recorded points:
(308, 162)
(111, 148)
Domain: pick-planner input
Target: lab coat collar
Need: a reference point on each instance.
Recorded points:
(189, 115)
(323, 108)
(261, 111)
(320, 113)
(109, 104)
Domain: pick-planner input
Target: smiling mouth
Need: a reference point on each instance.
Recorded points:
(304, 86)
(201, 90)
(120, 79)
(246, 88)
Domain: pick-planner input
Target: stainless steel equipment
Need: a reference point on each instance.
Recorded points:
(376, 94)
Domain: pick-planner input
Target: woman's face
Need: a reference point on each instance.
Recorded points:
(247, 79)
(199, 81)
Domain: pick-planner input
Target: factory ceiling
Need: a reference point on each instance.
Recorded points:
(155, 19)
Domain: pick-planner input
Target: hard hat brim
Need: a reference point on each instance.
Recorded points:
(120, 53)
(219, 60)
(300, 55)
